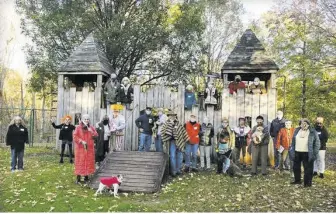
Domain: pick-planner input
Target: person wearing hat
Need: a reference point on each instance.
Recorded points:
(174, 135)
(260, 150)
(66, 130)
(162, 118)
(241, 137)
(319, 165)
(145, 124)
(84, 136)
(193, 129)
(117, 126)
(305, 149)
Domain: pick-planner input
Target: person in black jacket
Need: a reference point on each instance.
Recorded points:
(17, 136)
(319, 164)
(277, 124)
(102, 142)
(65, 135)
(145, 123)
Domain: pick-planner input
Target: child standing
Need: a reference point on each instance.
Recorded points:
(223, 153)
(207, 133)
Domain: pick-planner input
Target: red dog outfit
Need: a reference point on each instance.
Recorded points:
(109, 181)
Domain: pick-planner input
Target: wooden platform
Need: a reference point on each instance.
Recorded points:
(142, 171)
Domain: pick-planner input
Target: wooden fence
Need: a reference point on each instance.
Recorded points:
(233, 107)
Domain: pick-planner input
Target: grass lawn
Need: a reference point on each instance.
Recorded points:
(46, 186)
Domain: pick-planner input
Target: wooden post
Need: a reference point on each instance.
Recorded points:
(60, 87)
(233, 111)
(225, 103)
(255, 108)
(271, 104)
(97, 98)
(136, 112)
(240, 103)
(248, 105)
(180, 108)
(85, 101)
(263, 108)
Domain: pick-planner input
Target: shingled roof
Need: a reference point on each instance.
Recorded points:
(87, 58)
(249, 55)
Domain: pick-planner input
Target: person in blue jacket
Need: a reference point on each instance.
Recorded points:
(189, 98)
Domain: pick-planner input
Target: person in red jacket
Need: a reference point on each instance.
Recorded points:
(236, 84)
(283, 142)
(193, 129)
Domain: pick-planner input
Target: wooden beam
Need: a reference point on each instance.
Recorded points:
(136, 112)
(97, 98)
(60, 86)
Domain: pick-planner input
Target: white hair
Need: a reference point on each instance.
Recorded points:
(85, 116)
(17, 118)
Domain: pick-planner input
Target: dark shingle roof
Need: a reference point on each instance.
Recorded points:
(249, 55)
(87, 58)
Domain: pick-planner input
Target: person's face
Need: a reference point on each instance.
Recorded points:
(86, 121)
(237, 79)
(160, 113)
(148, 112)
(288, 124)
(67, 121)
(260, 122)
(256, 81)
(241, 122)
(210, 85)
(304, 125)
(172, 117)
(113, 76)
(17, 121)
(225, 124)
(279, 115)
(126, 82)
(192, 118)
(205, 120)
(115, 113)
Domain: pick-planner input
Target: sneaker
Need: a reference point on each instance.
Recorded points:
(13, 170)
(186, 169)
(315, 174)
(321, 175)
(307, 185)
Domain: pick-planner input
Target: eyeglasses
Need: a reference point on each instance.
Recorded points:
(319, 123)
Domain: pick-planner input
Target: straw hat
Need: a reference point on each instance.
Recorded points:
(117, 107)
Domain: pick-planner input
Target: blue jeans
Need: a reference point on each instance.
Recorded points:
(191, 150)
(176, 158)
(158, 144)
(145, 142)
(17, 158)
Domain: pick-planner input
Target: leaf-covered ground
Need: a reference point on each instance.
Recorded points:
(46, 186)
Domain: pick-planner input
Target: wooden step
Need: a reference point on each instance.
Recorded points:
(142, 171)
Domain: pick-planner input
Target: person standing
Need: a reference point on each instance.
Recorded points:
(112, 90)
(117, 126)
(207, 134)
(84, 149)
(175, 136)
(66, 130)
(193, 129)
(283, 143)
(159, 123)
(145, 124)
(322, 132)
(16, 138)
(277, 124)
(242, 133)
(260, 149)
(102, 142)
(305, 149)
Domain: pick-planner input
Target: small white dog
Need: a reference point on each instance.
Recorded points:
(108, 182)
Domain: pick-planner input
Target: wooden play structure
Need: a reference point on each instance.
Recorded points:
(82, 76)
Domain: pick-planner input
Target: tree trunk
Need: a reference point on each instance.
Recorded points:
(304, 87)
(43, 118)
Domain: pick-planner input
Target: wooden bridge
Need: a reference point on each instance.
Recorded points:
(142, 171)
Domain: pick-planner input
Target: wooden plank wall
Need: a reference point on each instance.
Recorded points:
(233, 107)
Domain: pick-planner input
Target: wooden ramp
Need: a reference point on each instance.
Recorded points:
(142, 171)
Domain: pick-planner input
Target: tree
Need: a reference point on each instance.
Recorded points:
(130, 33)
(301, 52)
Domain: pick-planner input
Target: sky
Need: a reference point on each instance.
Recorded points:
(10, 27)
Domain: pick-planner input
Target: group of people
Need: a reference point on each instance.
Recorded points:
(292, 146)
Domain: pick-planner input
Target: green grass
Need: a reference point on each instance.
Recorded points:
(46, 186)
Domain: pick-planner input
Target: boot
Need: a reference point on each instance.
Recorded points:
(186, 169)
(71, 161)
(61, 161)
(321, 175)
(315, 174)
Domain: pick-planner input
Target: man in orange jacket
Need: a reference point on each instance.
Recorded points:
(193, 129)
(283, 142)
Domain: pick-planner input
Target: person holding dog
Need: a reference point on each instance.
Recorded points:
(16, 138)
(223, 153)
(84, 136)
(66, 130)
(260, 146)
(242, 133)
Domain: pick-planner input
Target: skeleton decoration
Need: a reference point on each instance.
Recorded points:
(126, 91)
(256, 87)
(210, 94)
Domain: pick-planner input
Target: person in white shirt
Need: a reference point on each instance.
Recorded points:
(159, 123)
